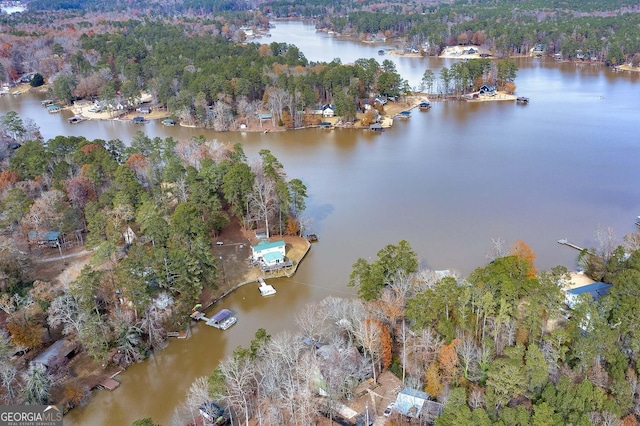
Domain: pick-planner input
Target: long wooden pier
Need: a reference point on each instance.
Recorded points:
(565, 242)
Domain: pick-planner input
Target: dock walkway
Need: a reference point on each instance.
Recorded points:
(565, 242)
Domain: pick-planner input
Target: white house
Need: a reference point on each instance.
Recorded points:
(328, 111)
(268, 252)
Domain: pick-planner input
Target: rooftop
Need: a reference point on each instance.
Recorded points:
(598, 289)
(265, 245)
(222, 315)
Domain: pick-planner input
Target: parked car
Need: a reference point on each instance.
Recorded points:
(219, 243)
(388, 410)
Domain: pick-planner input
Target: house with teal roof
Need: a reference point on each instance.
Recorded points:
(269, 253)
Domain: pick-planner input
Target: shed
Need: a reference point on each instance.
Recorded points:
(57, 354)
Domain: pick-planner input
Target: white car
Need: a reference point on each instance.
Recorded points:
(388, 410)
(219, 243)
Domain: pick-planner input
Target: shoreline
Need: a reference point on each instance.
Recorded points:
(391, 109)
(299, 249)
(277, 274)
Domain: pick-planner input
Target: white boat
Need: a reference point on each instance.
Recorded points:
(222, 320)
(265, 289)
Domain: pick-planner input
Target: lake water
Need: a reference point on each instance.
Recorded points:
(447, 180)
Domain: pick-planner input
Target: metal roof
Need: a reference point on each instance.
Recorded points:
(222, 315)
(265, 245)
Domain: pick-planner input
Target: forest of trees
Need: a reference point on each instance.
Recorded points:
(176, 195)
(499, 347)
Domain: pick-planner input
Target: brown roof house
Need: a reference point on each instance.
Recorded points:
(56, 355)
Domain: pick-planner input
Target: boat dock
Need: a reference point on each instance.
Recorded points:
(75, 119)
(265, 289)
(522, 100)
(566, 242)
(403, 114)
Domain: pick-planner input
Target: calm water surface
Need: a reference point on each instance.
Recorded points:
(448, 181)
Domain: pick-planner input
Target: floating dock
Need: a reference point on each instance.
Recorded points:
(522, 100)
(265, 289)
(109, 384)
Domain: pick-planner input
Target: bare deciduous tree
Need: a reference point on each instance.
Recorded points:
(276, 100)
(606, 241)
(468, 353)
(65, 311)
(263, 201)
(8, 373)
(238, 373)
